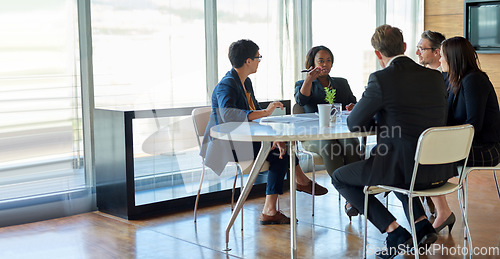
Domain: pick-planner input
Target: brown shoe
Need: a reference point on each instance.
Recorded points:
(278, 218)
(318, 189)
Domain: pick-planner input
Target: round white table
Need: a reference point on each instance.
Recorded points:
(289, 128)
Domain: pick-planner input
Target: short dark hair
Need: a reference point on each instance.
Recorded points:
(312, 53)
(240, 51)
(388, 40)
(436, 38)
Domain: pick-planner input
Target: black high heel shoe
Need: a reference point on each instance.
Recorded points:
(450, 221)
(351, 211)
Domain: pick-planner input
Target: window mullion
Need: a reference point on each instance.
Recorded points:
(211, 50)
(87, 84)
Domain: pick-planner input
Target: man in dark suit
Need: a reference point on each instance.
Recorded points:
(400, 102)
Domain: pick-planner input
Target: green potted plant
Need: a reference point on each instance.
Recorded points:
(330, 95)
(330, 98)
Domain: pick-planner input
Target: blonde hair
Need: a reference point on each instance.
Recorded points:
(388, 40)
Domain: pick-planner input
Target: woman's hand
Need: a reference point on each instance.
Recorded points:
(266, 112)
(311, 76)
(314, 73)
(281, 146)
(272, 106)
(349, 107)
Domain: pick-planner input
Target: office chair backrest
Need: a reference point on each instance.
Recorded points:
(297, 109)
(200, 120)
(442, 145)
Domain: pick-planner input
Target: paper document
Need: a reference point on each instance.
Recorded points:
(291, 118)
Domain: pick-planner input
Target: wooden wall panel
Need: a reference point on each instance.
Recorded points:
(442, 7)
(490, 63)
(449, 25)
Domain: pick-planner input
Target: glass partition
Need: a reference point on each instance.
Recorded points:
(164, 171)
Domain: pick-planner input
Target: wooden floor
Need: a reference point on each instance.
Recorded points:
(328, 235)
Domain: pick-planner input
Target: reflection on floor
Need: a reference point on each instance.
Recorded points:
(328, 235)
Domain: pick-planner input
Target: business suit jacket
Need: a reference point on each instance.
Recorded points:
(476, 103)
(229, 104)
(400, 102)
(310, 103)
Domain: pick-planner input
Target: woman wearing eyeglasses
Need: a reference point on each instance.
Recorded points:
(233, 100)
(311, 92)
(471, 100)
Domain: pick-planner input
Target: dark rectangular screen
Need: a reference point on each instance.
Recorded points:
(484, 25)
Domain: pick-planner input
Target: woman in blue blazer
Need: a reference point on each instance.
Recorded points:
(233, 100)
(471, 100)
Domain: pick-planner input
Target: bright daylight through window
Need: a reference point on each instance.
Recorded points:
(150, 55)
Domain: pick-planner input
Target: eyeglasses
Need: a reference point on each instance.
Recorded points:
(259, 58)
(423, 49)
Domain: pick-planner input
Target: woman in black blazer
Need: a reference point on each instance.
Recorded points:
(311, 92)
(471, 100)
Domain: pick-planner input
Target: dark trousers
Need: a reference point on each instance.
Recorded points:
(349, 181)
(335, 152)
(277, 169)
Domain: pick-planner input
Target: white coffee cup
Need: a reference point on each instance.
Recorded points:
(324, 112)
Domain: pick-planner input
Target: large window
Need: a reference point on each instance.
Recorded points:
(347, 34)
(151, 55)
(262, 22)
(41, 149)
(148, 54)
(409, 17)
